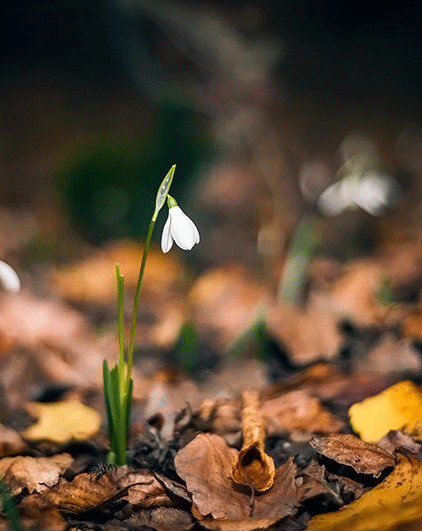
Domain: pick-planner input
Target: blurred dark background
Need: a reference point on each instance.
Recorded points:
(98, 99)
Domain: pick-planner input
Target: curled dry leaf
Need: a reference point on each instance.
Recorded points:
(348, 450)
(36, 474)
(252, 467)
(62, 422)
(397, 408)
(298, 411)
(397, 500)
(205, 465)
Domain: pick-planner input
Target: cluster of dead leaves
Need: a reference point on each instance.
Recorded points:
(370, 483)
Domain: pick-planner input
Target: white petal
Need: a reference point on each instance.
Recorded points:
(166, 237)
(183, 229)
(9, 278)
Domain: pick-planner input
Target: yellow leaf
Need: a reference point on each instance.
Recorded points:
(397, 408)
(62, 422)
(397, 500)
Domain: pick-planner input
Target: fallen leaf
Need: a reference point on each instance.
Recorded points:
(397, 408)
(93, 279)
(36, 474)
(298, 411)
(10, 442)
(252, 466)
(62, 422)
(205, 465)
(397, 500)
(309, 334)
(352, 295)
(397, 440)
(348, 450)
(161, 519)
(56, 341)
(85, 492)
(225, 303)
(314, 484)
(144, 489)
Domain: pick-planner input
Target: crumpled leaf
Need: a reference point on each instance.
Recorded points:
(205, 465)
(397, 500)
(62, 422)
(144, 489)
(36, 474)
(88, 491)
(84, 492)
(314, 484)
(397, 408)
(298, 411)
(348, 450)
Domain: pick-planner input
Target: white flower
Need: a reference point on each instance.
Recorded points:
(9, 278)
(179, 228)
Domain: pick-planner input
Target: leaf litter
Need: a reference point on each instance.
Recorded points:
(238, 451)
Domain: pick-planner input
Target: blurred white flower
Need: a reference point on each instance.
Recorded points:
(374, 193)
(9, 278)
(179, 228)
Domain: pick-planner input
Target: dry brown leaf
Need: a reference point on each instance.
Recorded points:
(397, 500)
(10, 442)
(298, 411)
(56, 338)
(167, 399)
(85, 492)
(162, 519)
(93, 279)
(36, 474)
(348, 450)
(314, 484)
(352, 295)
(397, 440)
(309, 334)
(62, 422)
(225, 303)
(252, 466)
(144, 490)
(205, 465)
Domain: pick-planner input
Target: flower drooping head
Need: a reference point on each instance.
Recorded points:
(178, 228)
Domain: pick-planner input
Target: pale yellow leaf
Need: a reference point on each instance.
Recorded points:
(62, 422)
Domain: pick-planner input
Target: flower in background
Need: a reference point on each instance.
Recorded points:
(9, 278)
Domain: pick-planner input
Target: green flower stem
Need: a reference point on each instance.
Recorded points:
(136, 301)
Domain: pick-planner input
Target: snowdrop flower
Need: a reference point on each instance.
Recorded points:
(9, 278)
(179, 228)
